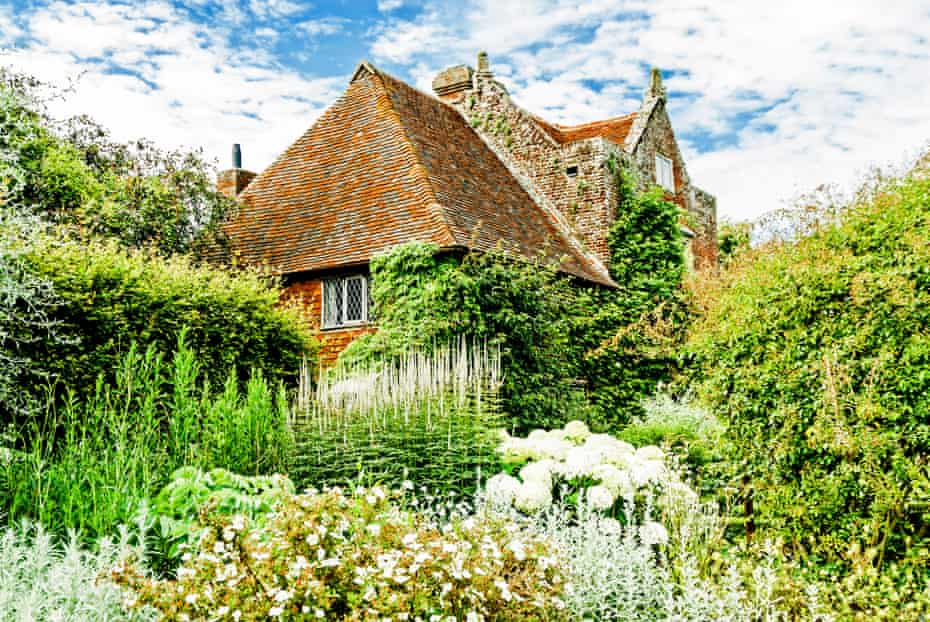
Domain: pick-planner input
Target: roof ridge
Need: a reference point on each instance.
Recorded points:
(589, 123)
(422, 172)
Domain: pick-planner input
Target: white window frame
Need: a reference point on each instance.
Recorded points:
(665, 172)
(343, 301)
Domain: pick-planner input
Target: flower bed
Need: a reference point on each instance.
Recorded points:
(358, 556)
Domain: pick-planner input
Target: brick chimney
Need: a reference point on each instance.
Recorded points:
(233, 181)
(451, 83)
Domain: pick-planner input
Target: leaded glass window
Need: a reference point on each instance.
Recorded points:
(345, 301)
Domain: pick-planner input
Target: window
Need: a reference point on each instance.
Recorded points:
(665, 175)
(571, 171)
(345, 301)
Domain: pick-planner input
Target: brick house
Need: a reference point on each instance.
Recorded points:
(464, 169)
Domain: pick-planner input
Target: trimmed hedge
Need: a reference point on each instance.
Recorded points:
(110, 297)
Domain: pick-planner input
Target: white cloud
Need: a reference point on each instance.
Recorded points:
(797, 93)
(324, 26)
(149, 71)
(9, 31)
(389, 5)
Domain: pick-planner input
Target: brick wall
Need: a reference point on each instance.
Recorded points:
(581, 201)
(309, 291)
(586, 201)
(701, 207)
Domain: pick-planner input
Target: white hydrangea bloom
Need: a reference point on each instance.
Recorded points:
(652, 532)
(540, 471)
(502, 489)
(532, 497)
(577, 431)
(552, 448)
(538, 435)
(645, 472)
(599, 497)
(516, 450)
(579, 462)
(616, 480)
(680, 492)
(650, 452)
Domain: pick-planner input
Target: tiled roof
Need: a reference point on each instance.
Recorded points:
(615, 129)
(388, 164)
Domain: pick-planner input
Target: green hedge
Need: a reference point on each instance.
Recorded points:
(110, 297)
(817, 355)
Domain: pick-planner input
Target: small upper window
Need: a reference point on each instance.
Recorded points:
(665, 174)
(345, 301)
(571, 171)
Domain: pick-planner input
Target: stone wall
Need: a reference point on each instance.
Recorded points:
(579, 202)
(309, 292)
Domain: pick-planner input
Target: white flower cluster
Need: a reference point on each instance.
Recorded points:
(575, 456)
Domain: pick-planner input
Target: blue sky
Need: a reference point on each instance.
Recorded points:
(769, 100)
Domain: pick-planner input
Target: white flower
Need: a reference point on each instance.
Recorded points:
(579, 462)
(501, 489)
(540, 471)
(518, 549)
(471, 616)
(617, 481)
(645, 472)
(609, 526)
(275, 611)
(577, 431)
(282, 596)
(653, 533)
(515, 450)
(532, 496)
(599, 497)
(649, 452)
(551, 447)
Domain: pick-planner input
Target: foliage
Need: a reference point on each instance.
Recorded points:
(683, 427)
(73, 173)
(816, 354)
(109, 296)
(733, 239)
(423, 298)
(91, 465)
(177, 508)
(27, 306)
(48, 580)
(619, 572)
(358, 557)
(425, 417)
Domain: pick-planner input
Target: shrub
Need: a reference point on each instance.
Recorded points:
(359, 557)
(423, 298)
(580, 469)
(109, 297)
(684, 428)
(421, 417)
(74, 174)
(816, 353)
(177, 508)
(48, 580)
(90, 465)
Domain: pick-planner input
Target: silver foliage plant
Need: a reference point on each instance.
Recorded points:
(46, 579)
(618, 573)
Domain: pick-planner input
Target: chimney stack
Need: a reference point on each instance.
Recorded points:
(233, 181)
(656, 88)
